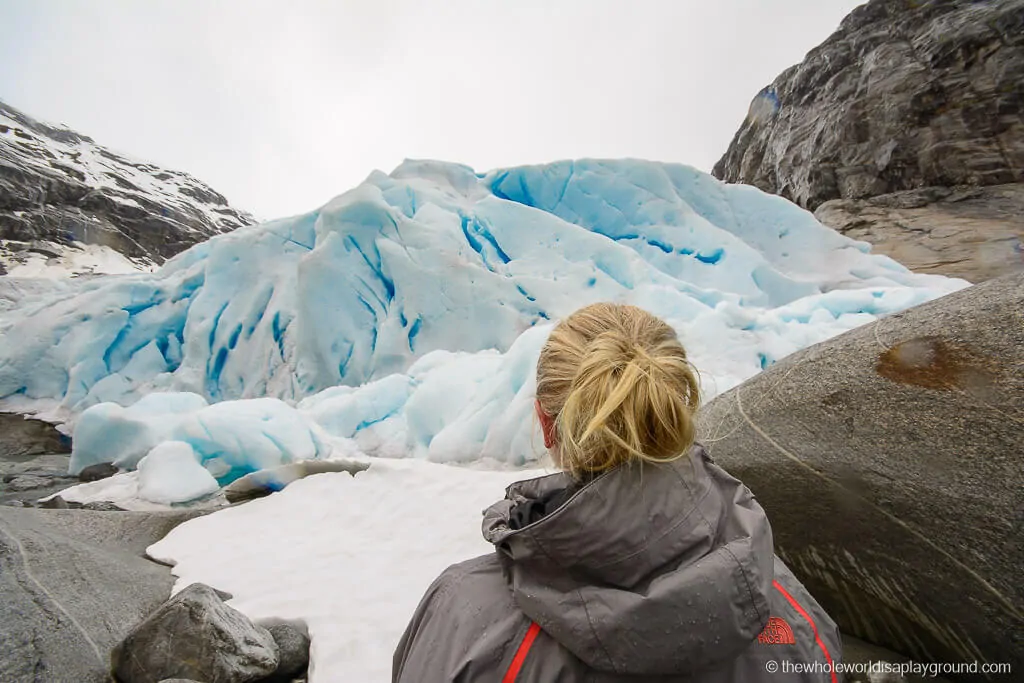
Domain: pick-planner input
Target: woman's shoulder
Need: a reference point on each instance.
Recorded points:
(463, 627)
(483, 568)
(478, 582)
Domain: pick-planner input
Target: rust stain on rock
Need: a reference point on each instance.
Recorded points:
(934, 363)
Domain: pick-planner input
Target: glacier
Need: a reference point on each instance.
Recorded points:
(405, 316)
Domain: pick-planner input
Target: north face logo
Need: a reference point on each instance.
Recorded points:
(777, 632)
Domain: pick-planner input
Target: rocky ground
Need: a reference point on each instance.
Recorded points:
(33, 460)
(79, 598)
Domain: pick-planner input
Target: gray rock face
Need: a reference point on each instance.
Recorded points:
(903, 96)
(974, 233)
(72, 583)
(194, 635)
(890, 462)
(58, 187)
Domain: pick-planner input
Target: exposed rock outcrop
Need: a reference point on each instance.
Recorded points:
(72, 583)
(22, 438)
(971, 233)
(904, 96)
(889, 461)
(59, 191)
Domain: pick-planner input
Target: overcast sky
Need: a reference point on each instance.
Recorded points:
(282, 105)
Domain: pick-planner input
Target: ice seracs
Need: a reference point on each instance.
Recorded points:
(437, 257)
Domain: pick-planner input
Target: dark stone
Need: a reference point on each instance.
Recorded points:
(293, 652)
(72, 582)
(903, 96)
(47, 201)
(194, 635)
(889, 461)
(98, 471)
(103, 506)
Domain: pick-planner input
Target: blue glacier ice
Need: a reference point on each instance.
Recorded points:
(230, 438)
(406, 314)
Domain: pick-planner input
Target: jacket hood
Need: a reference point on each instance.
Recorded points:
(648, 569)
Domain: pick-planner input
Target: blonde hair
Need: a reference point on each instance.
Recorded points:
(617, 382)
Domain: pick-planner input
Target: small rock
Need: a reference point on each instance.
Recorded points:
(55, 503)
(96, 472)
(27, 482)
(103, 506)
(196, 636)
(293, 652)
(179, 680)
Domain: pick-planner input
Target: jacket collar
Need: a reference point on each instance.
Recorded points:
(648, 569)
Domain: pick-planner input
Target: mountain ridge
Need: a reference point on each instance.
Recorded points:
(66, 199)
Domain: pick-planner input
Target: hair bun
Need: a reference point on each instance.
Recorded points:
(620, 387)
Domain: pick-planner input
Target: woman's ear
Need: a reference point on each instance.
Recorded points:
(547, 425)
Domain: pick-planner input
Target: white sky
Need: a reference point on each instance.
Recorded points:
(282, 105)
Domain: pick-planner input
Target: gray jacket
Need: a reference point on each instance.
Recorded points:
(647, 573)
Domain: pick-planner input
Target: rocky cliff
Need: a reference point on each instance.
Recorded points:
(61, 194)
(887, 128)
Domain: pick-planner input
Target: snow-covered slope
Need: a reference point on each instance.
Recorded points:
(426, 280)
(69, 206)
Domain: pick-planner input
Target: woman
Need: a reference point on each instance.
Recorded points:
(641, 561)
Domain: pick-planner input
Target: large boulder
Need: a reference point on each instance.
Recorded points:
(890, 461)
(903, 97)
(72, 582)
(195, 635)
